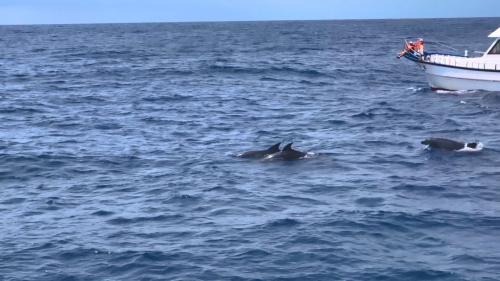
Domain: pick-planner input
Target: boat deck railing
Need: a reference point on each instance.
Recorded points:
(460, 61)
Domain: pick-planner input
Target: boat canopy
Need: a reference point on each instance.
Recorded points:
(495, 34)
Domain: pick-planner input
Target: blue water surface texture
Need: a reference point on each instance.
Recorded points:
(118, 144)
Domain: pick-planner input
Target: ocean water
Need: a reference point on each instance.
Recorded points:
(118, 144)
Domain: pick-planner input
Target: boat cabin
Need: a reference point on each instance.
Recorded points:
(495, 47)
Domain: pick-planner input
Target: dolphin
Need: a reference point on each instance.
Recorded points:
(450, 145)
(258, 154)
(287, 154)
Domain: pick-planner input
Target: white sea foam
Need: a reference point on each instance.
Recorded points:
(459, 92)
(310, 155)
(415, 89)
(478, 148)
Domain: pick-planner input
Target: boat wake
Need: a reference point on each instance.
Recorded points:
(441, 91)
(456, 93)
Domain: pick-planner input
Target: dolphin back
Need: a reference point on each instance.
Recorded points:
(261, 153)
(441, 143)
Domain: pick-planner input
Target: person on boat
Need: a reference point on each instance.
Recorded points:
(415, 48)
(409, 47)
(420, 46)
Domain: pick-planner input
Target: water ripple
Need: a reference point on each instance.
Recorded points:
(118, 144)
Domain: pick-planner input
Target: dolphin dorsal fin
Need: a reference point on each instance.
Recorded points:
(288, 147)
(275, 147)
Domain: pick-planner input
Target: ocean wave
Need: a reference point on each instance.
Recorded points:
(286, 222)
(269, 70)
(370, 201)
(395, 274)
(102, 213)
(134, 220)
(167, 99)
(252, 254)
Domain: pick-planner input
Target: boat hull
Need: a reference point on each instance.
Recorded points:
(456, 79)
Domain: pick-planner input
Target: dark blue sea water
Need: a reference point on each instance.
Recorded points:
(118, 144)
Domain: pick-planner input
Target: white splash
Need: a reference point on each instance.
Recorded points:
(310, 155)
(415, 89)
(478, 148)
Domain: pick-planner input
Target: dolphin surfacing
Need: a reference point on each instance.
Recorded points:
(259, 154)
(287, 154)
(451, 145)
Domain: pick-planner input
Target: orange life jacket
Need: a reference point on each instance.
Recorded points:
(419, 46)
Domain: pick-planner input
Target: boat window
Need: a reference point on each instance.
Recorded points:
(496, 49)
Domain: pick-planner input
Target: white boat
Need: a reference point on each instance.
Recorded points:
(454, 72)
